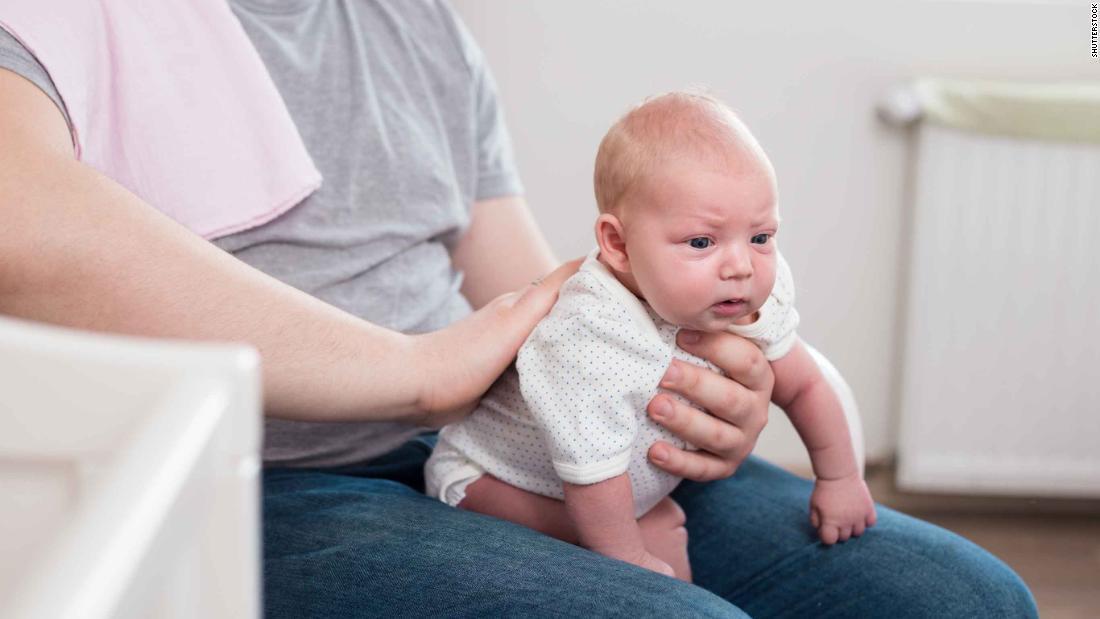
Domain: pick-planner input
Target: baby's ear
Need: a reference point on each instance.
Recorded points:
(612, 242)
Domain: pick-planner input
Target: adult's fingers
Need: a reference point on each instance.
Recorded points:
(530, 304)
(717, 436)
(721, 396)
(739, 358)
(738, 402)
(695, 465)
(460, 362)
(513, 315)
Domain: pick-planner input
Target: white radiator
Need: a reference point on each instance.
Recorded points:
(1001, 362)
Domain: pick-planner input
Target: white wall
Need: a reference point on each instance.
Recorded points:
(805, 78)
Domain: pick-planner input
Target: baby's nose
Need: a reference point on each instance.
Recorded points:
(736, 265)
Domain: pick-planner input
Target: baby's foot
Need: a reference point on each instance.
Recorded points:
(666, 538)
(652, 563)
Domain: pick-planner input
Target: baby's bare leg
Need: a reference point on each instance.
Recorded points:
(488, 495)
(665, 536)
(662, 527)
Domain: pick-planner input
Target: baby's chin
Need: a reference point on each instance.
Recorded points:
(709, 321)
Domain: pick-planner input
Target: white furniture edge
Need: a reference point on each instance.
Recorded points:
(213, 403)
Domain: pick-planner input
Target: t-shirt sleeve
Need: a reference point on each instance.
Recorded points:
(775, 330)
(497, 175)
(585, 378)
(17, 59)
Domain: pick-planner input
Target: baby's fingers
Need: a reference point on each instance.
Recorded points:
(815, 518)
(858, 529)
(845, 534)
(829, 534)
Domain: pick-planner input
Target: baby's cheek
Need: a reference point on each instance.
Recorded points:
(764, 290)
(680, 294)
(765, 278)
(692, 294)
(677, 312)
(696, 311)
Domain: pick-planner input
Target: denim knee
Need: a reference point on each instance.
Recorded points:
(989, 587)
(956, 577)
(651, 595)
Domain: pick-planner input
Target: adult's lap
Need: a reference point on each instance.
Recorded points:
(338, 545)
(364, 540)
(751, 542)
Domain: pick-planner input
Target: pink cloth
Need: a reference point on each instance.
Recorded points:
(170, 99)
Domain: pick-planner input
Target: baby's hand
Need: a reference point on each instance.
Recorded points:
(841, 508)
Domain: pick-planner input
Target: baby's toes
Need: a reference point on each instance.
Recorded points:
(651, 562)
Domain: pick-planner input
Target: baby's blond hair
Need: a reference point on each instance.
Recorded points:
(661, 127)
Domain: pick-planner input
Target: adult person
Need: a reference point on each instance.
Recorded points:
(420, 220)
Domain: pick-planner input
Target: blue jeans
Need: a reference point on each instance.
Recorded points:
(364, 541)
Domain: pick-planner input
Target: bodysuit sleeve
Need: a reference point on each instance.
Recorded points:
(586, 378)
(774, 331)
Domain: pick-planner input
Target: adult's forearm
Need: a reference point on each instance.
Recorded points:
(502, 250)
(76, 249)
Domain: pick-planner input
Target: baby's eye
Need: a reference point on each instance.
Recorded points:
(761, 239)
(699, 242)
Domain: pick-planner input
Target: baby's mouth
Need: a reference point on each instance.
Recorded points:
(730, 307)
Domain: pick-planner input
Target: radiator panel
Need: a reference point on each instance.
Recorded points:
(1000, 389)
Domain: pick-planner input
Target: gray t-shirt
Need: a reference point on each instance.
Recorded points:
(398, 109)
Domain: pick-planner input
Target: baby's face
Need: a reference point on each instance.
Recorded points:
(700, 240)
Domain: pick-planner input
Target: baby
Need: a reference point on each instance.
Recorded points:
(686, 239)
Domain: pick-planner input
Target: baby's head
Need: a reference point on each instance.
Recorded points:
(688, 213)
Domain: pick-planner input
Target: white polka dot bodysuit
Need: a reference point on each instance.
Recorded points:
(573, 406)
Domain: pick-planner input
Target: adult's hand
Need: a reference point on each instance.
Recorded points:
(458, 364)
(738, 406)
